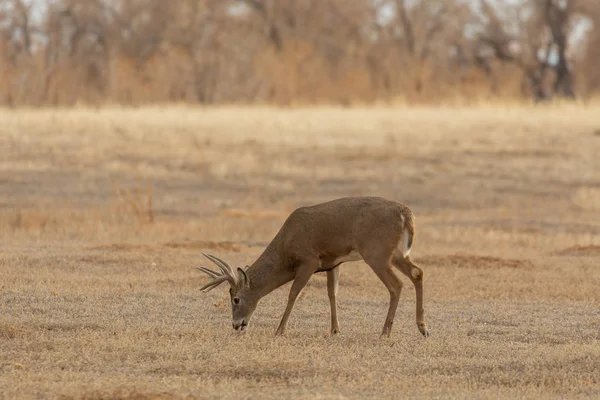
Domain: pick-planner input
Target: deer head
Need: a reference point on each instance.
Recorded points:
(243, 299)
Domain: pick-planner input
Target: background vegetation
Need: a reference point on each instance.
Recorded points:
(63, 52)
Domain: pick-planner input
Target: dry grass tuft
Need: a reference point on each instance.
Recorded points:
(135, 199)
(99, 295)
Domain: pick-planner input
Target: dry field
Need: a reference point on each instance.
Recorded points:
(104, 214)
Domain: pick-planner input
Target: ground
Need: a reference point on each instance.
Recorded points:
(104, 215)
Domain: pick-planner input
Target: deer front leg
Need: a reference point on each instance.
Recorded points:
(303, 274)
(333, 276)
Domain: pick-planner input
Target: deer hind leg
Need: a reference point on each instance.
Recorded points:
(303, 274)
(415, 274)
(333, 276)
(383, 270)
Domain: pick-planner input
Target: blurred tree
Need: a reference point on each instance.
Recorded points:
(535, 35)
(288, 51)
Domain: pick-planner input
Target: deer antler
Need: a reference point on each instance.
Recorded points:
(226, 275)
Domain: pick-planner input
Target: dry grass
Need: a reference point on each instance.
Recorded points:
(98, 298)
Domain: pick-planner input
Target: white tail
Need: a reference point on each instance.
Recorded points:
(406, 242)
(319, 239)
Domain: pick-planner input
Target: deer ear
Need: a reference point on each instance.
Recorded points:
(243, 277)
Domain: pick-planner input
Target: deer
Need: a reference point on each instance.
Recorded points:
(320, 238)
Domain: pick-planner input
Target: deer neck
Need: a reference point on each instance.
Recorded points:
(269, 271)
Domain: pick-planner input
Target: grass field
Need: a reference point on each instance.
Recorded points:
(104, 213)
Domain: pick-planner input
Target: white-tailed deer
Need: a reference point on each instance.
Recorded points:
(318, 239)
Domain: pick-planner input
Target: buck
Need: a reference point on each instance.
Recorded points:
(320, 238)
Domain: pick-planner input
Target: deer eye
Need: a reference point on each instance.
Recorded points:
(236, 300)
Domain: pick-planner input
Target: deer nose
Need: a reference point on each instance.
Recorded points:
(237, 325)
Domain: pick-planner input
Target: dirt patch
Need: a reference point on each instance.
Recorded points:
(121, 394)
(10, 331)
(192, 245)
(461, 260)
(99, 259)
(69, 327)
(202, 244)
(256, 214)
(19, 331)
(533, 153)
(125, 247)
(261, 374)
(588, 251)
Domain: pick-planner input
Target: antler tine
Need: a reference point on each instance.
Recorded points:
(214, 283)
(218, 262)
(217, 278)
(223, 263)
(227, 270)
(209, 272)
